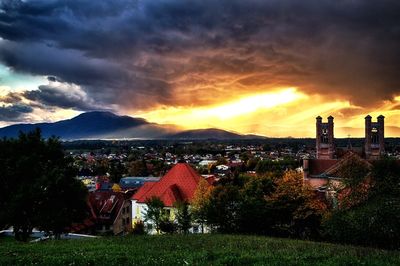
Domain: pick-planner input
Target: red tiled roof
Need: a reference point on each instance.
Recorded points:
(179, 183)
(331, 166)
(109, 205)
(319, 166)
(143, 190)
(105, 205)
(350, 155)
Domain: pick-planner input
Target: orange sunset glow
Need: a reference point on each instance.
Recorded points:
(282, 113)
(266, 67)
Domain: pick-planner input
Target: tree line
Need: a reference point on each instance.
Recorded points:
(39, 190)
(364, 211)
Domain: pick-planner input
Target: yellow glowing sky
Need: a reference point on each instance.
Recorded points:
(256, 67)
(279, 113)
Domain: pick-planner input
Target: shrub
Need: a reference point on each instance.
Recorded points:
(138, 228)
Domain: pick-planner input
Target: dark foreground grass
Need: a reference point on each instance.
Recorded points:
(190, 250)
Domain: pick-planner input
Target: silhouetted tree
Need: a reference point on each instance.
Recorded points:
(38, 186)
(116, 172)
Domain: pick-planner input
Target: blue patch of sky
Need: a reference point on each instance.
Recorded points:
(19, 81)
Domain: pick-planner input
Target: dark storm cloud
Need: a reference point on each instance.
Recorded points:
(141, 53)
(14, 112)
(64, 96)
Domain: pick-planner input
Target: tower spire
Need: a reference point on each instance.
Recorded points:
(349, 146)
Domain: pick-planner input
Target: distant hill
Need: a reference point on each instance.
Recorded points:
(209, 133)
(91, 125)
(106, 125)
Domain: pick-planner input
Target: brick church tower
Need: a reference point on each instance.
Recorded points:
(325, 139)
(374, 137)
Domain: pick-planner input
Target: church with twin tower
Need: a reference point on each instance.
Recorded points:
(320, 170)
(374, 145)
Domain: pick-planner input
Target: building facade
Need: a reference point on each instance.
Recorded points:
(319, 171)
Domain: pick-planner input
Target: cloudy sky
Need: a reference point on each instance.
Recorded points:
(265, 67)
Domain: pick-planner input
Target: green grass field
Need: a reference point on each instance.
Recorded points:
(190, 250)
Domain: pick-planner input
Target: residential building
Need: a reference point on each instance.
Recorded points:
(179, 184)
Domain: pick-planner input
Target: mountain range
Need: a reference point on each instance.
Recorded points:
(107, 125)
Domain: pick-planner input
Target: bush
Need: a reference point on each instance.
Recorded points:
(138, 228)
(376, 223)
(168, 226)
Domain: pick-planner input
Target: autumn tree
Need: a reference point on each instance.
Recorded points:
(200, 202)
(355, 180)
(255, 211)
(296, 209)
(374, 220)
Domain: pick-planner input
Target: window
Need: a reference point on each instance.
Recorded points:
(324, 136)
(374, 135)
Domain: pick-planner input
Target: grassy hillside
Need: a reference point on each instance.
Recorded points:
(190, 250)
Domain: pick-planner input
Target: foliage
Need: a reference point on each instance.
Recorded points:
(38, 186)
(386, 176)
(101, 167)
(138, 228)
(200, 201)
(138, 168)
(223, 208)
(183, 216)
(221, 160)
(279, 166)
(354, 174)
(296, 209)
(154, 214)
(116, 188)
(252, 163)
(207, 249)
(265, 205)
(116, 171)
(375, 221)
(167, 226)
(255, 212)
